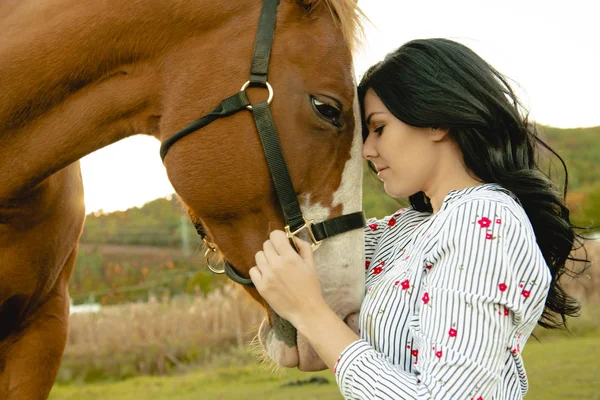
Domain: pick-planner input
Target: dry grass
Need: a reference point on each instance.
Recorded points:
(158, 337)
(587, 287)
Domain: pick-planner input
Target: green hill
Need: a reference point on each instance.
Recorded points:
(161, 222)
(580, 148)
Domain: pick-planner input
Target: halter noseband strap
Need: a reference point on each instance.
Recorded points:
(295, 221)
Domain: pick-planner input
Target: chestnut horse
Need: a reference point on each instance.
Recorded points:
(78, 75)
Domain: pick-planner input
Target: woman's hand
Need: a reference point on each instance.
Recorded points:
(287, 280)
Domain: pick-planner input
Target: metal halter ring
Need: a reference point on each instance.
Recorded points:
(269, 88)
(210, 248)
(308, 223)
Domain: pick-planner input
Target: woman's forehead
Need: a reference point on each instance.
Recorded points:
(374, 107)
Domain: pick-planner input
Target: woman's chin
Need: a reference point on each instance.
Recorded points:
(391, 190)
(395, 192)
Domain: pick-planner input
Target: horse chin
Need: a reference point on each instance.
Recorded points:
(278, 346)
(309, 359)
(288, 355)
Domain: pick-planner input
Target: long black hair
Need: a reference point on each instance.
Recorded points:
(442, 83)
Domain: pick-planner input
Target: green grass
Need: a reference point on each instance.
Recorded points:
(247, 383)
(558, 368)
(563, 368)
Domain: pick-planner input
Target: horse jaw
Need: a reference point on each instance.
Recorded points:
(339, 262)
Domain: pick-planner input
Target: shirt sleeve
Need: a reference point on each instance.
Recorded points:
(468, 306)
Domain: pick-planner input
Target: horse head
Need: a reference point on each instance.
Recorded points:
(221, 172)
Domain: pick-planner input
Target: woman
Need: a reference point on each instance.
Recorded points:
(456, 283)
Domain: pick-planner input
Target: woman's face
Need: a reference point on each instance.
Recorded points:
(405, 156)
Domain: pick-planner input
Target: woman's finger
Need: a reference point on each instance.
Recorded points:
(261, 259)
(270, 251)
(282, 243)
(305, 249)
(256, 277)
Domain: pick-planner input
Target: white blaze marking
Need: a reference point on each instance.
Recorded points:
(340, 260)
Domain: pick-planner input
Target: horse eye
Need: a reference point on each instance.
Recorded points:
(329, 111)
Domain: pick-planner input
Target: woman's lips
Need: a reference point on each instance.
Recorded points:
(381, 171)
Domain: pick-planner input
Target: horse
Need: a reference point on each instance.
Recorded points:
(77, 75)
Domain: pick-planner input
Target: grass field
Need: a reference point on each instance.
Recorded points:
(559, 368)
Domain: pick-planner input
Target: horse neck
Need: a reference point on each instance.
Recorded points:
(77, 75)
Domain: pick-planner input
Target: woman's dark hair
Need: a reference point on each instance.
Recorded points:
(441, 83)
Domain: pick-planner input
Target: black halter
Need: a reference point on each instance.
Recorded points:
(268, 136)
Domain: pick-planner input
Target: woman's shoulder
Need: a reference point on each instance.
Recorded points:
(490, 197)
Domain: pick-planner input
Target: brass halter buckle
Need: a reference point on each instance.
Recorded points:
(308, 223)
(211, 249)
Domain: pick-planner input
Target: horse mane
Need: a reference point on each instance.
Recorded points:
(347, 14)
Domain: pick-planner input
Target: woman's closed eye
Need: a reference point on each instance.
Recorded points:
(379, 130)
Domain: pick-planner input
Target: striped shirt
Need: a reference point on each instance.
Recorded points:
(451, 298)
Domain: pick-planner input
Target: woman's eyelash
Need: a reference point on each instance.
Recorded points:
(378, 130)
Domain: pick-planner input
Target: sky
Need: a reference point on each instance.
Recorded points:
(549, 49)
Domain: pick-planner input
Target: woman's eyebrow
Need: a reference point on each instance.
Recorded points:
(368, 120)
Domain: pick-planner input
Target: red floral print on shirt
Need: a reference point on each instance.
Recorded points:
(439, 354)
(378, 269)
(373, 227)
(505, 312)
(415, 353)
(526, 293)
(367, 264)
(498, 221)
(452, 332)
(502, 287)
(428, 267)
(405, 284)
(484, 222)
(425, 298)
(489, 236)
(399, 212)
(392, 222)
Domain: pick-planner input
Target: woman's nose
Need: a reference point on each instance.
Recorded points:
(369, 151)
